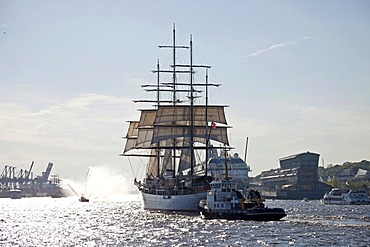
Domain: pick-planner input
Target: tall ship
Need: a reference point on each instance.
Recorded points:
(176, 134)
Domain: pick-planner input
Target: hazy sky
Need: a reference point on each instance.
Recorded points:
(296, 75)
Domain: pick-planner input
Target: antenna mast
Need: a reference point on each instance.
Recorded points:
(246, 150)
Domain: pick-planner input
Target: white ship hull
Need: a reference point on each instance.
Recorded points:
(341, 201)
(187, 202)
(338, 197)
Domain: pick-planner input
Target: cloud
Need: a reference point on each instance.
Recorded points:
(73, 123)
(72, 133)
(277, 46)
(338, 135)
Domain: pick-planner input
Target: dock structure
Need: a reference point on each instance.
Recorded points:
(30, 184)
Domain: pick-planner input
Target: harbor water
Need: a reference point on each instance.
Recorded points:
(121, 221)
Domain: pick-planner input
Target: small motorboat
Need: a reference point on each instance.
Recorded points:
(83, 199)
(15, 194)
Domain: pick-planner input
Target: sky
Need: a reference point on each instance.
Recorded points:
(295, 75)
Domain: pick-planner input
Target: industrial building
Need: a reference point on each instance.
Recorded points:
(297, 178)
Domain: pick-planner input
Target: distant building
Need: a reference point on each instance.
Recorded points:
(296, 178)
(362, 174)
(346, 174)
(352, 173)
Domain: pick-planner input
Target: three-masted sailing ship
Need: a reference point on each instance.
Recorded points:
(174, 134)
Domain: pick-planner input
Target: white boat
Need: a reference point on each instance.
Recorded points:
(175, 136)
(237, 168)
(346, 196)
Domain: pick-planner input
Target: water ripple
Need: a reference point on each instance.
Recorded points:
(67, 222)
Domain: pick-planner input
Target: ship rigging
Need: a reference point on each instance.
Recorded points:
(172, 131)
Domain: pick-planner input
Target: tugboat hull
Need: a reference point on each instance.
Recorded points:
(260, 214)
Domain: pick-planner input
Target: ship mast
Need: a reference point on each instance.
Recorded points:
(158, 102)
(174, 66)
(207, 139)
(174, 97)
(191, 109)
(174, 100)
(246, 150)
(192, 90)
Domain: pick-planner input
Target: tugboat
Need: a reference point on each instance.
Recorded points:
(224, 201)
(83, 199)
